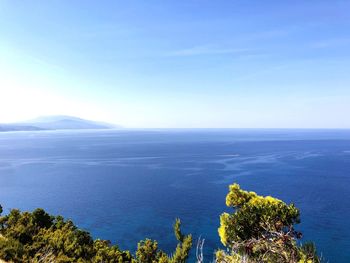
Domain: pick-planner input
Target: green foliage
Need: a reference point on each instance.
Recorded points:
(38, 231)
(177, 230)
(11, 249)
(309, 251)
(40, 237)
(254, 215)
(182, 250)
(41, 218)
(260, 229)
(104, 252)
(148, 252)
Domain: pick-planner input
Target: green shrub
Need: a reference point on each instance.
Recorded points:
(259, 229)
(40, 237)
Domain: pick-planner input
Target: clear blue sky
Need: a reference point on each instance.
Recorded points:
(178, 63)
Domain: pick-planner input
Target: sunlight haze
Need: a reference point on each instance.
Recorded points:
(189, 64)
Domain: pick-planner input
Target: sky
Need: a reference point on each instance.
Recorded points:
(178, 64)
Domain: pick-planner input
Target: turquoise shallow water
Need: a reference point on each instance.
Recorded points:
(128, 185)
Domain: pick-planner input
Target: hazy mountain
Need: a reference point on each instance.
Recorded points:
(60, 122)
(18, 127)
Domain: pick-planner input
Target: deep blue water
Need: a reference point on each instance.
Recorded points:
(128, 185)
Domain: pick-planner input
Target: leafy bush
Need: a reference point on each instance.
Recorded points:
(260, 229)
(40, 237)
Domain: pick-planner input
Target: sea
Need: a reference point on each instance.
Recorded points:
(127, 185)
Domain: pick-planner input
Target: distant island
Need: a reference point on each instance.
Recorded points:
(57, 122)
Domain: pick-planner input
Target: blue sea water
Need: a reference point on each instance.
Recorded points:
(128, 185)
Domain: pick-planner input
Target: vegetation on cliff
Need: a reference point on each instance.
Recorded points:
(40, 237)
(259, 229)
